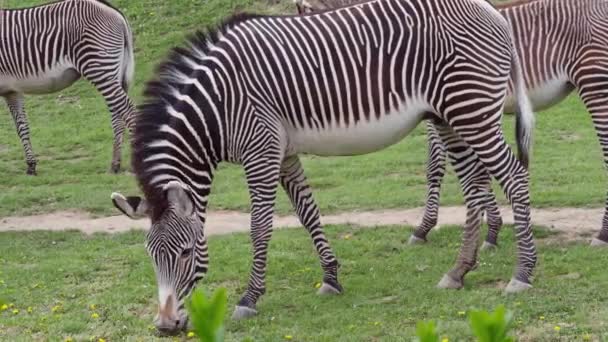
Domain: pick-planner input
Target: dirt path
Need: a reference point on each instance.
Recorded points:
(575, 222)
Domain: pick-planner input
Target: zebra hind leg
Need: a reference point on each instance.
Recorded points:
(434, 174)
(494, 220)
(16, 106)
(299, 192)
(473, 180)
(490, 147)
(262, 173)
(592, 81)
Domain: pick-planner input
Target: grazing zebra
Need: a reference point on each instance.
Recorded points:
(576, 58)
(261, 90)
(47, 48)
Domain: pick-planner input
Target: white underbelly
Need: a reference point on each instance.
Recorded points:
(361, 138)
(544, 95)
(50, 81)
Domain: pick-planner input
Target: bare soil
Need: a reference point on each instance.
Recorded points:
(571, 222)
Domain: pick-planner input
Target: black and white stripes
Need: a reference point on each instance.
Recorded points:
(46, 48)
(262, 89)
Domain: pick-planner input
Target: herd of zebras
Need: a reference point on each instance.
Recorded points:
(342, 77)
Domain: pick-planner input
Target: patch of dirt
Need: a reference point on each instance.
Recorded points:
(571, 223)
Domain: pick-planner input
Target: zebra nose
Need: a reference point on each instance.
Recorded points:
(167, 325)
(167, 321)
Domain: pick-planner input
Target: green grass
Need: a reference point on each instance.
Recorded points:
(72, 137)
(388, 287)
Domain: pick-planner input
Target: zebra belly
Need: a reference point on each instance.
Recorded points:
(546, 95)
(53, 80)
(361, 138)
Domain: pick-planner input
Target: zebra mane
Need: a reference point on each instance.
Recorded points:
(159, 91)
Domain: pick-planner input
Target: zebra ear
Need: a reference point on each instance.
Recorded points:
(133, 206)
(178, 196)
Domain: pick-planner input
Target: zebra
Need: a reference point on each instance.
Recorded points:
(576, 59)
(46, 48)
(261, 90)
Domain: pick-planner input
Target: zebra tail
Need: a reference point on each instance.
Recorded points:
(524, 115)
(128, 62)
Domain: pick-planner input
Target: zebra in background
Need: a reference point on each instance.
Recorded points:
(47, 48)
(575, 59)
(261, 90)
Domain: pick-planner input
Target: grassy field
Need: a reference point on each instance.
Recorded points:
(389, 286)
(72, 137)
(67, 284)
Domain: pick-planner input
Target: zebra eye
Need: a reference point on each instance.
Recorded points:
(186, 253)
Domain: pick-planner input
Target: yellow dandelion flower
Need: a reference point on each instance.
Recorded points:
(317, 285)
(11, 305)
(15, 311)
(101, 340)
(69, 339)
(542, 318)
(461, 313)
(557, 328)
(56, 308)
(586, 337)
(30, 309)
(288, 337)
(347, 237)
(94, 315)
(3, 307)
(191, 334)
(445, 339)
(92, 307)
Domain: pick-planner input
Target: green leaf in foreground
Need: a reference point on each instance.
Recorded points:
(491, 327)
(207, 315)
(426, 332)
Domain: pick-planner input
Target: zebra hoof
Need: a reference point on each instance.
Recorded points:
(448, 282)
(243, 312)
(516, 286)
(488, 246)
(31, 170)
(328, 290)
(115, 169)
(598, 243)
(414, 240)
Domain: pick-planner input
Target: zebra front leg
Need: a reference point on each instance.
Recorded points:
(121, 108)
(263, 179)
(16, 106)
(434, 174)
(296, 186)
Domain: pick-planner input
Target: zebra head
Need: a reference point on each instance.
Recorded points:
(178, 249)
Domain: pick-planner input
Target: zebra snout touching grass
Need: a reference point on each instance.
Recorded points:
(47, 48)
(261, 90)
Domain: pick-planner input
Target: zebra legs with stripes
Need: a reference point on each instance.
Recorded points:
(16, 107)
(261, 90)
(47, 48)
(591, 78)
(435, 172)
